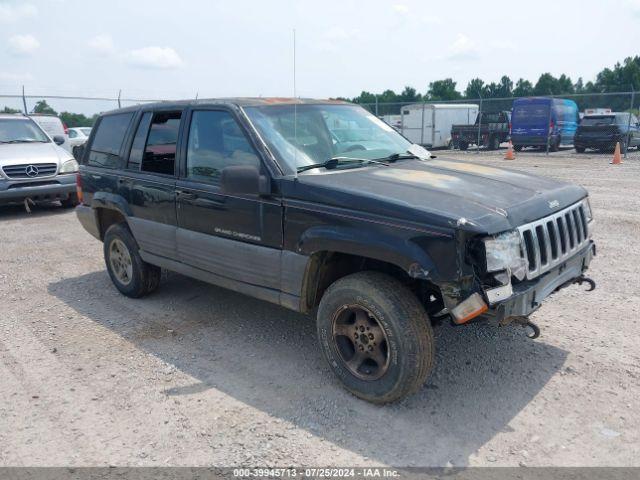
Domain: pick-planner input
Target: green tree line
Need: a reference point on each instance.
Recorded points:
(70, 119)
(623, 77)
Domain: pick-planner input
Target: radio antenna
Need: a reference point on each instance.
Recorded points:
(295, 104)
(294, 63)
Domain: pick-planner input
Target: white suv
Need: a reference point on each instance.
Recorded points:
(53, 126)
(32, 165)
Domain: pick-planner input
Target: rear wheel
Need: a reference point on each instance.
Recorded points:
(463, 145)
(580, 149)
(554, 145)
(129, 273)
(376, 336)
(494, 143)
(517, 148)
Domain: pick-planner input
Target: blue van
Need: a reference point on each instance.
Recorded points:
(534, 120)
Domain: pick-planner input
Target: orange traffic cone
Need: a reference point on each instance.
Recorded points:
(617, 158)
(510, 155)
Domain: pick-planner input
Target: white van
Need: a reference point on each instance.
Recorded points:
(53, 126)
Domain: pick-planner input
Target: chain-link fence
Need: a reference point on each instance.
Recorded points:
(581, 123)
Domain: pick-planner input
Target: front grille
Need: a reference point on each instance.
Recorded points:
(552, 240)
(30, 170)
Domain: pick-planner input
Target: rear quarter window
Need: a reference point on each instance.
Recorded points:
(108, 139)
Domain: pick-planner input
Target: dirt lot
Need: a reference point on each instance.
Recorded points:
(197, 375)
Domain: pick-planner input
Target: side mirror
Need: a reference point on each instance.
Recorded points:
(58, 139)
(244, 179)
(78, 152)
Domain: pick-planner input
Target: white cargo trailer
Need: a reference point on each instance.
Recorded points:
(429, 124)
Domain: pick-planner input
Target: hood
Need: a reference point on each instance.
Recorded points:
(24, 153)
(442, 192)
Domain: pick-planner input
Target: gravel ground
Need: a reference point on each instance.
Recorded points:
(198, 375)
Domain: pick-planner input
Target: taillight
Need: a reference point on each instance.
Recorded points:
(79, 187)
(66, 129)
(509, 128)
(551, 125)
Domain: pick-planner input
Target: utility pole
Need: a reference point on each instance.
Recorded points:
(24, 102)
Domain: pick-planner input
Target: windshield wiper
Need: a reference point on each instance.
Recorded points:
(394, 157)
(335, 161)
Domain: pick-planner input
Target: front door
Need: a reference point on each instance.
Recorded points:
(237, 237)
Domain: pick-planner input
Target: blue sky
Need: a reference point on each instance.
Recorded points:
(163, 49)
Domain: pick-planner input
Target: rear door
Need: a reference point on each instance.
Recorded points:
(237, 237)
(150, 181)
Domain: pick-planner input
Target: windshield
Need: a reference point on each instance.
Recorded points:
(596, 121)
(85, 130)
(20, 130)
(308, 134)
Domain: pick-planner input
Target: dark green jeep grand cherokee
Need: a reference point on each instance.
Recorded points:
(319, 206)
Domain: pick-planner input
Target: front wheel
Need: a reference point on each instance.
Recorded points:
(376, 336)
(131, 275)
(580, 149)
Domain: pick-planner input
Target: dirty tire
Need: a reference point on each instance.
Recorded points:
(404, 323)
(145, 277)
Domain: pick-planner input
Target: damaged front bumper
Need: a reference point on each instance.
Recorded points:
(527, 296)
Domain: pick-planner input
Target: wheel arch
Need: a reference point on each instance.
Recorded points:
(330, 259)
(110, 209)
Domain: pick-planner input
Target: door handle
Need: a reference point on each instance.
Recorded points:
(186, 195)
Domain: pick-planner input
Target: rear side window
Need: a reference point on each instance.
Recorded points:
(105, 149)
(533, 114)
(159, 154)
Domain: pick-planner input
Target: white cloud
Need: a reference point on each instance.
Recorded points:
(339, 33)
(10, 12)
(401, 8)
(463, 48)
(154, 57)
(102, 45)
(23, 45)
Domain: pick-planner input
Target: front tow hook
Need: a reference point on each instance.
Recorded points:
(524, 322)
(582, 279)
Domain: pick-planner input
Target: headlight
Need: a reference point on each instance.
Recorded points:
(586, 206)
(503, 252)
(70, 166)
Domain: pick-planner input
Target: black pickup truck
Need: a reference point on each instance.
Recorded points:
(374, 236)
(494, 129)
